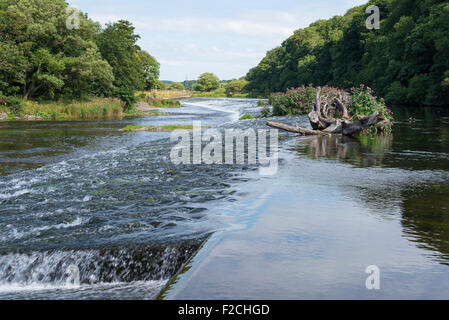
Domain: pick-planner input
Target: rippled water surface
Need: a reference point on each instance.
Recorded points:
(86, 194)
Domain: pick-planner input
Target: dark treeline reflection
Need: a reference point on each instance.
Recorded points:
(425, 218)
(360, 151)
(405, 173)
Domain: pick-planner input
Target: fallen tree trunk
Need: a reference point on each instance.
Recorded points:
(295, 129)
(324, 124)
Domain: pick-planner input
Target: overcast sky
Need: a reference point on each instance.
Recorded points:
(224, 37)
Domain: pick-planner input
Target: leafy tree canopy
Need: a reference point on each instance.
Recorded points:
(407, 60)
(207, 82)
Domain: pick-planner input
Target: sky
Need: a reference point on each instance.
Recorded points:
(226, 38)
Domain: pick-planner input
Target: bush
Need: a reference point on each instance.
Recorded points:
(363, 103)
(397, 94)
(13, 104)
(299, 100)
(265, 113)
(128, 97)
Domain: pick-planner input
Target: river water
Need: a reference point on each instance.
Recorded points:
(112, 204)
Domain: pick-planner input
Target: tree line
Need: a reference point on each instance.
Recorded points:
(406, 60)
(40, 58)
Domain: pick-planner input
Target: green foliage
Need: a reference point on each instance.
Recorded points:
(407, 60)
(160, 85)
(128, 96)
(235, 87)
(150, 67)
(176, 86)
(246, 117)
(12, 104)
(363, 103)
(41, 57)
(294, 101)
(207, 82)
(265, 112)
(133, 68)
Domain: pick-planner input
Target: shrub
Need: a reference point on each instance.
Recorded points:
(294, 101)
(299, 100)
(363, 103)
(13, 104)
(265, 112)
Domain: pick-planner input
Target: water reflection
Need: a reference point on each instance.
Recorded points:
(425, 218)
(363, 151)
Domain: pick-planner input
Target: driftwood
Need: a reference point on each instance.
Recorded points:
(323, 122)
(296, 129)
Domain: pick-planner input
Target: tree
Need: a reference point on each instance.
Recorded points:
(207, 82)
(176, 86)
(160, 85)
(150, 68)
(407, 60)
(236, 86)
(41, 57)
(118, 46)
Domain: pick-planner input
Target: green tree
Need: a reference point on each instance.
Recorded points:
(41, 57)
(407, 60)
(207, 82)
(150, 68)
(160, 85)
(176, 86)
(236, 86)
(118, 46)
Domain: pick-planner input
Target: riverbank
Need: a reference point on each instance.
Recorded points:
(91, 110)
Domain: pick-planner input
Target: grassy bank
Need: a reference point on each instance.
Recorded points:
(162, 98)
(95, 109)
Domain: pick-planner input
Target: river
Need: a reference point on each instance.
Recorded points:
(112, 204)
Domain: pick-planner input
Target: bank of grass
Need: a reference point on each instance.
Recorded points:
(163, 98)
(94, 109)
(166, 94)
(166, 128)
(164, 104)
(145, 113)
(159, 103)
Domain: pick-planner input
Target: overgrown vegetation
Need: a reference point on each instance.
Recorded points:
(42, 60)
(360, 102)
(406, 61)
(95, 109)
(363, 103)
